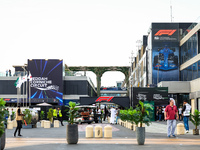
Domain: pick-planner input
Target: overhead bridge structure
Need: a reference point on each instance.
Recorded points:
(99, 71)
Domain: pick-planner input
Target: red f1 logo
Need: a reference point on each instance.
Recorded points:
(105, 98)
(167, 32)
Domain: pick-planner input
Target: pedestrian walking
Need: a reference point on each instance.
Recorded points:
(55, 114)
(99, 114)
(112, 116)
(59, 115)
(163, 111)
(117, 114)
(9, 72)
(19, 117)
(160, 113)
(6, 73)
(105, 113)
(186, 114)
(157, 108)
(171, 114)
(180, 113)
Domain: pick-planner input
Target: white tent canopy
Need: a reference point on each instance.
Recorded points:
(44, 104)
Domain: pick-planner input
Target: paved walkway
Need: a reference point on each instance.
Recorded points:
(55, 138)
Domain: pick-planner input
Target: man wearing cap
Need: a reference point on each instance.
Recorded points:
(171, 114)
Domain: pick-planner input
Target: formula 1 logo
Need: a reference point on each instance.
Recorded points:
(166, 32)
(104, 98)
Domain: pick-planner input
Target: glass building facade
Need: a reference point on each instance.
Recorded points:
(189, 50)
(190, 73)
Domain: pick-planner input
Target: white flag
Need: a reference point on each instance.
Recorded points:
(19, 83)
(24, 79)
(30, 77)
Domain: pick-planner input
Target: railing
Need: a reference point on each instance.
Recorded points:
(17, 73)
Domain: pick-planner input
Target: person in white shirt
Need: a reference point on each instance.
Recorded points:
(186, 114)
(112, 117)
(180, 113)
(99, 113)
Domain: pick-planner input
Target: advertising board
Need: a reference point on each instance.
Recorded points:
(165, 52)
(47, 80)
(159, 95)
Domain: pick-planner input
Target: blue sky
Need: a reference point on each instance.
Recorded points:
(82, 32)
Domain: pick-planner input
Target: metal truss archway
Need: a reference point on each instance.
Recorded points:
(100, 70)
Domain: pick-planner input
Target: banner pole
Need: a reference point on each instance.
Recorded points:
(29, 92)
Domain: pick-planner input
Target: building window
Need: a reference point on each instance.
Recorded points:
(189, 49)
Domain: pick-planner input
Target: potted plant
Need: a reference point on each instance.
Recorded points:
(42, 115)
(139, 115)
(27, 119)
(50, 116)
(72, 128)
(195, 119)
(2, 127)
(12, 115)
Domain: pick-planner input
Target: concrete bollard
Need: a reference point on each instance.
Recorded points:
(143, 124)
(9, 124)
(98, 132)
(119, 121)
(108, 131)
(14, 123)
(89, 131)
(47, 124)
(42, 123)
(56, 124)
(124, 125)
(134, 127)
(108, 119)
(180, 129)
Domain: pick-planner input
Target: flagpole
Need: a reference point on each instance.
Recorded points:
(29, 92)
(26, 92)
(23, 94)
(20, 95)
(17, 96)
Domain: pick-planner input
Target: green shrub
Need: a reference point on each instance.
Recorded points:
(138, 115)
(42, 115)
(195, 118)
(50, 115)
(73, 112)
(2, 116)
(27, 116)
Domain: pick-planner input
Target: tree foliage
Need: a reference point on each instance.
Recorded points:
(2, 116)
(73, 112)
(27, 116)
(138, 115)
(195, 118)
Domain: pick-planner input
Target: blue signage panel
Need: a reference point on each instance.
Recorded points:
(47, 80)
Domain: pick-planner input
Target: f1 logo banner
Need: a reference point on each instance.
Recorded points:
(121, 101)
(46, 80)
(105, 98)
(166, 32)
